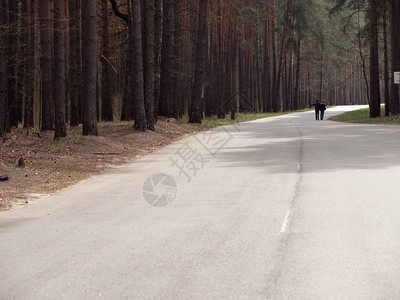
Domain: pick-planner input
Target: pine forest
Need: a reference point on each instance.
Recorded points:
(69, 62)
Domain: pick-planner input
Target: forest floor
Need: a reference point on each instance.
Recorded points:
(362, 116)
(37, 165)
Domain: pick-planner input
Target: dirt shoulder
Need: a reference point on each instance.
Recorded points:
(37, 165)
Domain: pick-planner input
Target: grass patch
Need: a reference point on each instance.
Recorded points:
(241, 117)
(361, 116)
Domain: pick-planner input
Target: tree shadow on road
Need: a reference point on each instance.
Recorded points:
(278, 147)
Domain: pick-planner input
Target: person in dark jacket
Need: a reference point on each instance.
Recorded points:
(322, 108)
(316, 106)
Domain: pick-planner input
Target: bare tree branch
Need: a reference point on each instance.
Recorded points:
(118, 13)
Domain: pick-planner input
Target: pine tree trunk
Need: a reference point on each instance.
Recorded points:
(45, 66)
(209, 103)
(130, 83)
(97, 95)
(375, 101)
(135, 33)
(289, 82)
(241, 78)
(234, 80)
(167, 61)
(395, 24)
(274, 100)
(158, 20)
(106, 97)
(277, 87)
(267, 62)
(60, 70)
(22, 59)
(321, 74)
(220, 69)
(11, 52)
(89, 69)
(115, 58)
(285, 92)
(3, 76)
(225, 76)
(30, 65)
(386, 59)
(196, 113)
(75, 60)
(126, 113)
(298, 72)
(191, 59)
(52, 57)
(149, 75)
(215, 102)
(177, 74)
(79, 62)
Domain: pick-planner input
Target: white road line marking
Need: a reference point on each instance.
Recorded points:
(286, 221)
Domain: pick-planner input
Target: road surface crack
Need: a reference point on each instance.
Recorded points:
(277, 269)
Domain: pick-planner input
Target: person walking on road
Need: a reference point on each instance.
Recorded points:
(316, 106)
(322, 108)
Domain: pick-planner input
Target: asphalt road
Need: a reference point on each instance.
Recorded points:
(279, 208)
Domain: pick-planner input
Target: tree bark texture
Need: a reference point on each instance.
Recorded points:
(135, 35)
(89, 68)
(75, 61)
(167, 61)
(195, 115)
(149, 58)
(375, 100)
(45, 66)
(395, 36)
(60, 30)
(3, 76)
(11, 52)
(30, 64)
(106, 96)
